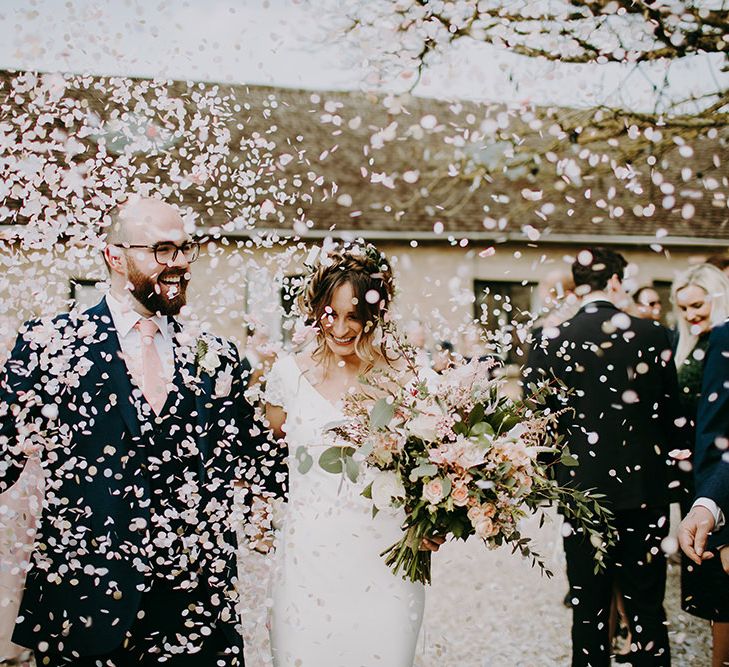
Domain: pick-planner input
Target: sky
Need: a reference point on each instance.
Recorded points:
(285, 43)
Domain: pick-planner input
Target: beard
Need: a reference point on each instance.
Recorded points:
(155, 296)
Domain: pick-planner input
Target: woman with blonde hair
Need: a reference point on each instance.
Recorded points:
(700, 298)
(335, 602)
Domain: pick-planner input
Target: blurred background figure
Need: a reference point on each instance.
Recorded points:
(557, 300)
(443, 356)
(700, 299)
(416, 336)
(648, 304)
(471, 345)
(260, 351)
(720, 261)
(21, 505)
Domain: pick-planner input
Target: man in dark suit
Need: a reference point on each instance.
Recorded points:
(142, 429)
(711, 459)
(619, 425)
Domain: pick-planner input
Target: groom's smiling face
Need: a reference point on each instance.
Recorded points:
(158, 288)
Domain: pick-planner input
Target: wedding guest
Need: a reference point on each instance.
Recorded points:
(701, 300)
(720, 261)
(141, 427)
(472, 345)
(648, 303)
(260, 352)
(557, 300)
(619, 418)
(416, 336)
(443, 356)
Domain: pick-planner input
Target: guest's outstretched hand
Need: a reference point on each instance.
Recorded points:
(694, 532)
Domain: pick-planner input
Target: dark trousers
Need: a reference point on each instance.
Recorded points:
(637, 565)
(174, 628)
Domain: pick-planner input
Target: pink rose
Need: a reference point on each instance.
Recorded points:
(460, 495)
(433, 491)
(488, 509)
(486, 528)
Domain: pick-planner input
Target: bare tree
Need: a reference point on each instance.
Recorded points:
(401, 39)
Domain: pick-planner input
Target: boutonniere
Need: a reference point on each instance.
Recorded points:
(207, 359)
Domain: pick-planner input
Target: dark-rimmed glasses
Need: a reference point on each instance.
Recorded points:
(166, 253)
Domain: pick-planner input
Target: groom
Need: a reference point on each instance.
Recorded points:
(142, 428)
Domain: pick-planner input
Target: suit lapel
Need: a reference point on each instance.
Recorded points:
(107, 353)
(203, 394)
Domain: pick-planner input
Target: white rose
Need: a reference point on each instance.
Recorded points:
(423, 427)
(434, 491)
(210, 361)
(472, 455)
(386, 486)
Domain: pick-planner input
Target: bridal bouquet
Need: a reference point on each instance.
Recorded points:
(461, 459)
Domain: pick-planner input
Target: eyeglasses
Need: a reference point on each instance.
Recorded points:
(166, 253)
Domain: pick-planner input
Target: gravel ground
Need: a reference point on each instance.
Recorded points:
(490, 609)
(484, 609)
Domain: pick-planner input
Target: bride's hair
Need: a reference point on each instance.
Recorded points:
(369, 273)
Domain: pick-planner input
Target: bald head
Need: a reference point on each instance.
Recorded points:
(142, 220)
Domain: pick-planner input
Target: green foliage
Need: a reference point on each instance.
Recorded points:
(381, 414)
(304, 459)
(423, 470)
(334, 459)
(566, 459)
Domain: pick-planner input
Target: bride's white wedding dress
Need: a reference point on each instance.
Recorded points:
(335, 602)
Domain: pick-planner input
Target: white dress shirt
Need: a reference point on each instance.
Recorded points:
(130, 340)
(710, 505)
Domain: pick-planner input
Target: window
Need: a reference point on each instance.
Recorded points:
(663, 289)
(504, 310)
(290, 288)
(85, 293)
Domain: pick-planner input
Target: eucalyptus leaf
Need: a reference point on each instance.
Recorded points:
(381, 414)
(423, 470)
(568, 460)
(367, 491)
(351, 467)
(305, 460)
(476, 414)
(482, 428)
(332, 459)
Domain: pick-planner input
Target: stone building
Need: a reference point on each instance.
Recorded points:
(475, 204)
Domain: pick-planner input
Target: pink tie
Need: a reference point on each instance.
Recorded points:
(153, 384)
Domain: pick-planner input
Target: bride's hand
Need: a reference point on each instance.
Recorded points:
(432, 543)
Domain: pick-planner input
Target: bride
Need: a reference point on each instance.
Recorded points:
(335, 602)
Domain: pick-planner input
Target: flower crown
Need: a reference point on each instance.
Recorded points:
(367, 257)
(320, 256)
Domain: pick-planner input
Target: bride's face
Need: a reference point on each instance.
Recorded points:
(340, 324)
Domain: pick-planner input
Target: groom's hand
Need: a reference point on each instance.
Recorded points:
(694, 531)
(432, 543)
(724, 554)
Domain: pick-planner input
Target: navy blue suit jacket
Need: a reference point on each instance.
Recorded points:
(66, 388)
(711, 460)
(621, 421)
